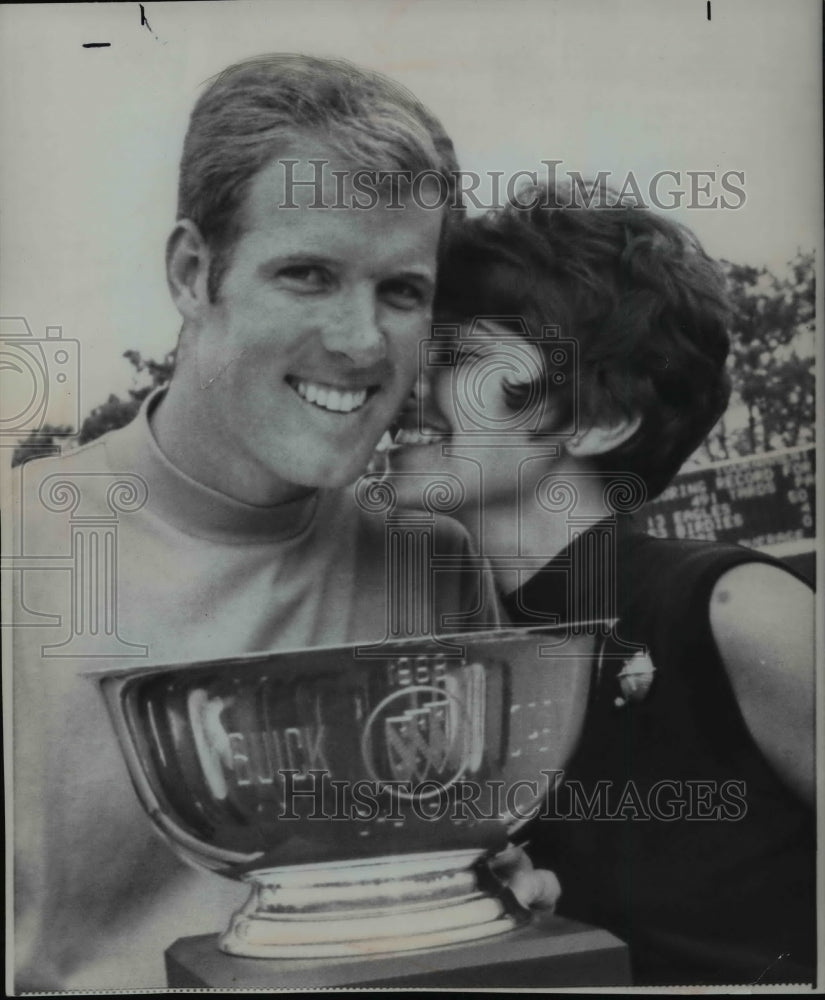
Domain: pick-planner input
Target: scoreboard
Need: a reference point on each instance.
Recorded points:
(765, 502)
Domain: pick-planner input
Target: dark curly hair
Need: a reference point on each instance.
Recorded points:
(645, 304)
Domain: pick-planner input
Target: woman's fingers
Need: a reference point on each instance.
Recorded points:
(532, 887)
(538, 889)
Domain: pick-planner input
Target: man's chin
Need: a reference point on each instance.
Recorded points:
(323, 475)
(336, 479)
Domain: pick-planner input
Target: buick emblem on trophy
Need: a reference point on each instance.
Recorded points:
(357, 796)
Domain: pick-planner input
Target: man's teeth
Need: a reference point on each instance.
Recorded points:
(406, 436)
(328, 398)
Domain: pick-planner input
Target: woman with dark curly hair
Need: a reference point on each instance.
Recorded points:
(578, 359)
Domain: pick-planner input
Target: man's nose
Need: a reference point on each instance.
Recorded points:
(353, 328)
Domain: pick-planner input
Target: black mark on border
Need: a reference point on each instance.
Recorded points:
(144, 23)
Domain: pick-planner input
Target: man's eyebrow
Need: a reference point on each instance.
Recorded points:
(420, 273)
(299, 257)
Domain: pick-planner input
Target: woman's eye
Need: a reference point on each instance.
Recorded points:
(307, 276)
(403, 294)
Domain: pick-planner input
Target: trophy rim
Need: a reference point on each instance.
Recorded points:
(391, 646)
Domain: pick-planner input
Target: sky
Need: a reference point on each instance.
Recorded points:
(91, 137)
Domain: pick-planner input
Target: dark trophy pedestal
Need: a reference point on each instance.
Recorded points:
(549, 951)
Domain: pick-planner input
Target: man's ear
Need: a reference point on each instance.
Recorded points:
(603, 436)
(187, 269)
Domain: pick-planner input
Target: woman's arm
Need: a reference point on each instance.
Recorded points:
(762, 620)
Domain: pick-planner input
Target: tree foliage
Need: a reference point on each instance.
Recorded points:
(114, 413)
(40, 444)
(771, 361)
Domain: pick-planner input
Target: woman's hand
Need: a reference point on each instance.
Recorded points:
(534, 888)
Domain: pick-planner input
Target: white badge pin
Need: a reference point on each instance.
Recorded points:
(635, 678)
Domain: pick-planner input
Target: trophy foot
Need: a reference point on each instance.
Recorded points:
(347, 908)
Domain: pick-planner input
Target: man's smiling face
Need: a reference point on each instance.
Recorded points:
(311, 345)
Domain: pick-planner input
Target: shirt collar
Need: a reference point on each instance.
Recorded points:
(199, 510)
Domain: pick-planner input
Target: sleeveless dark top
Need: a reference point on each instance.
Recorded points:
(725, 899)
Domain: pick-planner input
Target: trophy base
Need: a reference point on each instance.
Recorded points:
(358, 908)
(545, 952)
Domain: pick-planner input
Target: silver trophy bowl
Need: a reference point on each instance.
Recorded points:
(358, 790)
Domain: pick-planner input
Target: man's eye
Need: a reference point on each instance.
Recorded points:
(403, 294)
(307, 276)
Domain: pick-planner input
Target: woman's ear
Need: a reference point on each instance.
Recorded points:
(603, 436)
(187, 269)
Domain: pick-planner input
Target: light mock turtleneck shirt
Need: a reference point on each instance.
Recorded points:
(194, 574)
